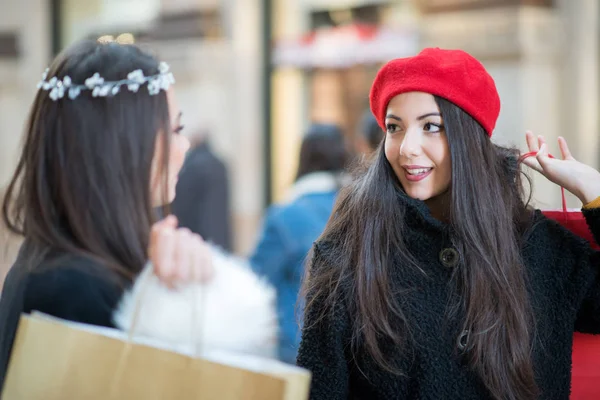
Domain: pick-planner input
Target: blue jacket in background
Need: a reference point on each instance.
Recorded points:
(287, 235)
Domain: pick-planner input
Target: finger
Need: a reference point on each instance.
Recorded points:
(542, 156)
(564, 149)
(170, 222)
(531, 142)
(163, 257)
(541, 140)
(183, 259)
(533, 164)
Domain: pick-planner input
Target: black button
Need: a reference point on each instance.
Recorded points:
(463, 340)
(449, 257)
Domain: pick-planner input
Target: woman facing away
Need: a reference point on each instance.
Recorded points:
(291, 228)
(101, 150)
(434, 279)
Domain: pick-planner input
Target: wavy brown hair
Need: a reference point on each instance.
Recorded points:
(488, 213)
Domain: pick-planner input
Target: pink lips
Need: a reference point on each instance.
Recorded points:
(418, 177)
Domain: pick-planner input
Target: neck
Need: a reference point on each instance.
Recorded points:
(439, 206)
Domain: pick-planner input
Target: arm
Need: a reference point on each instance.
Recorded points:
(588, 316)
(82, 293)
(271, 255)
(584, 182)
(325, 336)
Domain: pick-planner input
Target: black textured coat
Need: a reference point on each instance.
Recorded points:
(64, 285)
(564, 288)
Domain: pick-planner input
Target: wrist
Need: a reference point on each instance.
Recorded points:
(588, 192)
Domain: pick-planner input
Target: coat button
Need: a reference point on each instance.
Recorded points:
(449, 257)
(463, 340)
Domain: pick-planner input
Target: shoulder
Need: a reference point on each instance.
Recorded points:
(302, 205)
(550, 251)
(548, 235)
(325, 254)
(202, 158)
(73, 287)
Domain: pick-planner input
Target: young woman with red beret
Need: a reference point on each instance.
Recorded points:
(434, 278)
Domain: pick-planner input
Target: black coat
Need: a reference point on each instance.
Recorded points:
(564, 288)
(64, 285)
(202, 197)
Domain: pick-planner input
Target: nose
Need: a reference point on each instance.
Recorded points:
(411, 144)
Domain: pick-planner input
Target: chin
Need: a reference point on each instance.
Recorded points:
(159, 200)
(418, 194)
(171, 196)
(419, 197)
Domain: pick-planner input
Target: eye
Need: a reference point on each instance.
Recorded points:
(178, 130)
(391, 128)
(431, 127)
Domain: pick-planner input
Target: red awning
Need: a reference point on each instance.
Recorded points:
(344, 46)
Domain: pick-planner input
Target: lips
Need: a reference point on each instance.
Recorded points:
(415, 173)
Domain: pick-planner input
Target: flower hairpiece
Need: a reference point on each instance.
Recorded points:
(102, 88)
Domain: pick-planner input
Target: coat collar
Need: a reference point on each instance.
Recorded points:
(315, 182)
(418, 214)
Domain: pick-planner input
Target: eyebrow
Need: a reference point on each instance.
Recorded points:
(434, 114)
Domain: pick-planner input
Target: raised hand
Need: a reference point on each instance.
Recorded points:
(178, 255)
(576, 177)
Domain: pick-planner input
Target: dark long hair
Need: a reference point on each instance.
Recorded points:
(488, 212)
(82, 183)
(322, 150)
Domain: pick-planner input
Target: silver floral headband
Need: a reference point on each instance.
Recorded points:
(102, 88)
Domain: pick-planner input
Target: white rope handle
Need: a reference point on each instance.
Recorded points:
(196, 337)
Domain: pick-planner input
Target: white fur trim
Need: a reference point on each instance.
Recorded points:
(315, 182)
(235, 311)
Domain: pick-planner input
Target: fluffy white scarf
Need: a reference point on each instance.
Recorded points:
(235, 311)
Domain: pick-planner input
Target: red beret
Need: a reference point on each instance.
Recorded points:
(451, 74)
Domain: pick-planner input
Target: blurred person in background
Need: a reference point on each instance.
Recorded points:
(370, 134)
(290, 229)
(102, 150)
(202, 194)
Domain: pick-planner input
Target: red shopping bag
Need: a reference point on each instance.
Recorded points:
(585, 370)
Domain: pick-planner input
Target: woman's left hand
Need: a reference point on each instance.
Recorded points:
(576, 177)
(178, 255)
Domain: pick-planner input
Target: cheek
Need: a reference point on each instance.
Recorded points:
(444, 163)
(390, 149)
(179, 147)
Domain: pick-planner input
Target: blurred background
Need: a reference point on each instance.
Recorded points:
(252, 75)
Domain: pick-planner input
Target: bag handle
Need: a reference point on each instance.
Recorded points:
(562, 189)
(137, 307)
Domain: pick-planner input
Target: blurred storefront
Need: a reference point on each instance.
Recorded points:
(256, 105)
(213, 47)
(325, 57)
(25, 48)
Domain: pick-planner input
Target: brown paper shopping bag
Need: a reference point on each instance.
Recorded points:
(54, 359)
